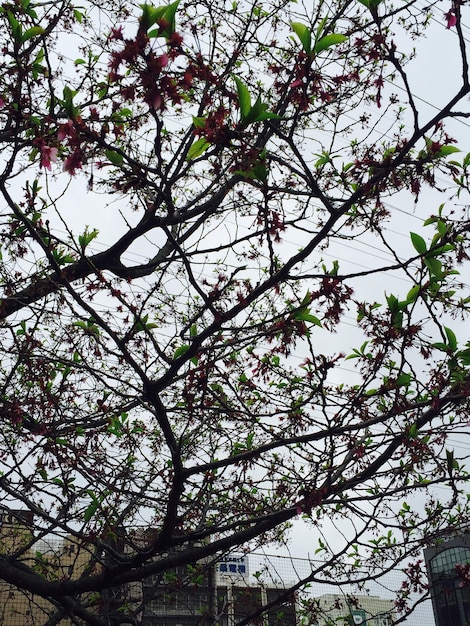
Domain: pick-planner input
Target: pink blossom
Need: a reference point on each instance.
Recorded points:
(48, 156)
(73, 162)
(2, 102)
(451, 19)
(65, 130)
(296, 83)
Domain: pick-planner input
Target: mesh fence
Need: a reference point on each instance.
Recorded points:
(372, 603)
(225, 592)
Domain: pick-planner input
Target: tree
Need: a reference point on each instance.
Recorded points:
(175, 180)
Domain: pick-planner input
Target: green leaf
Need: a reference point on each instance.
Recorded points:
(31, 32)
(180, 351)
(370, 4)
(396, 309)
(68, 94)
(441, 228)
(87, 237)
(257, 172)
(199, 122)
(26, 6)
(197, 148)
(446, 150)
(258, 112)
(244, 99)
(323, 160)
(89, 327)
(60, 441)
(68, 105)
(403, 380)
(327, 41)
(451, 338)
(464, 356)
(392, 302)
(61, 257)
(413, 294)
(260, 172)
(152, 15)
(451, 462)
(141, 324)
(94, 505)
(169, 15)
(263, 115)
(321, 27)
(435, 267)
(115, 157)
(249, 114)
(15, 26)
(304, 315)
(304, 34)
(418, 243)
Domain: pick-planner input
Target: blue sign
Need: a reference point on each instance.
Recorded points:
(233, 566)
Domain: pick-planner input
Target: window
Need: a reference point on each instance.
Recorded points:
(443, 564)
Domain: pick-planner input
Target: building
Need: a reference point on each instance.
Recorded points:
(194, 595)
(49, 557)
(219, 592)
(222, 592)
(361, 610)
(450, 591)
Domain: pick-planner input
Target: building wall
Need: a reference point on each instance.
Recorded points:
(53, 559)
(222, 593)
(18, 608)
(449, 592)
(360, 610)
(224, 605)
(238, 602)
